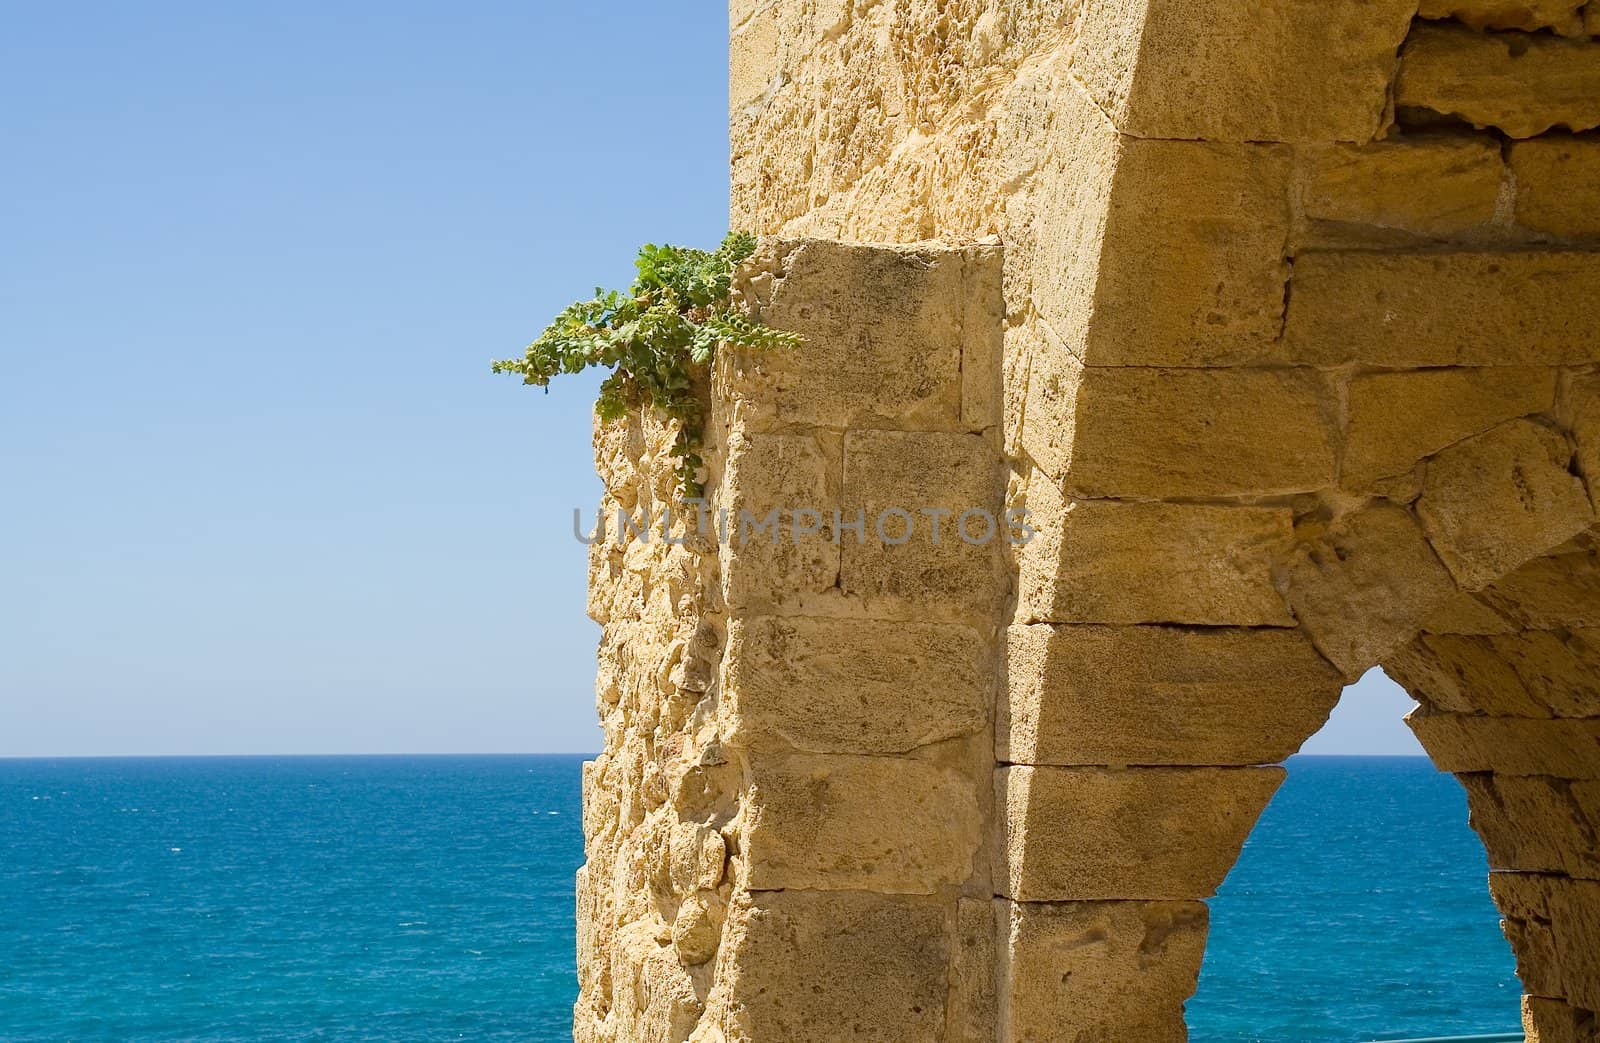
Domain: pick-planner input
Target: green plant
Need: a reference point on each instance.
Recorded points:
(653, 337)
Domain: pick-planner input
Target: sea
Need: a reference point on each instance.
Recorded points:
(431, 898)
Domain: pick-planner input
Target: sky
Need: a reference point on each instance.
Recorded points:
(262, 494)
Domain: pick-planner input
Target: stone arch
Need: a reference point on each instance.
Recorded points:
(1290, 352)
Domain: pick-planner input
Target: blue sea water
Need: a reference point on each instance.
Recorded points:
(431, 898)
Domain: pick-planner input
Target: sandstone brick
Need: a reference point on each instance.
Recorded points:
(1500, 499)
(913, 473)
(1112, 971)
(1106, 561)
(1558, 185)
(851, 685)
(1520, 83)
(1075, 834)
(1209, 289)
(1219, 71)
(1466, 613)
(886, 330)
(1556, 591)
(1407, 310)
(653, 993)
(1396, 419)
(1434, 187)
(774, 472)
(1582, 405)
(1536, 823)
(1532, 674)
(1148, 433)
(1510, 746)
(835, 823)
(1554, 927)
(849, 965)
(1363, 586)
(1552, 1021)
(1561, 16)
(972, 973)
(1081, 695)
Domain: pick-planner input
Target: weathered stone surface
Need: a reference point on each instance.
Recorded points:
(1215, 70)
(887, 331)
(1396, 419)
(1509, 746)
(900, 566)
(1552, 1021)
(1500, 499)
(972, 973)
(1106, 561)
(1554, 927)
(851, 685)
(1582, 406)
(1173, 433)
(1467, 613)
(1560, 589)
(834, 965)
(1075, 834)
(1520, 83)
(1432, 187)
(1208, 290)
(1531, 674)
(763, 567)
(1561, 16)
(1081, 695)
(1536, 823)
(1444, 309)
(697, 928)
(1363, 586)
(1558, 185)
(1117, 972)
(653, 993)
(832, 823)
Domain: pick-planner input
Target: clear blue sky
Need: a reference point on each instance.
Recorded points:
(262, 493)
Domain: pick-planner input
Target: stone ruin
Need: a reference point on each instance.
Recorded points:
(1281, 320)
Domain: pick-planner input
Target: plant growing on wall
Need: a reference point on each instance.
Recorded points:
(671, 320)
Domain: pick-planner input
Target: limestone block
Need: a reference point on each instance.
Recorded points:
(835, 823)
(834, 966)
(1222, 71)
(697, 928)
(1520, 83)
(1406, 310)
(1532, 674)
(1536, 823)
(1561, 16)
(1075, 834)
(1435, 187)
(1149, 433)
(972, 973)
(1108, 561)
(1112, 972)
(1500, 499)
(1079, 695)
(1554, 927)
(1049, 425)
(1207, 289)
(1552, 1021)
(769, 473)
(1558, 185)
(654, 994)
(1363, 586)
(888, 330)
(1396, 419)
(900, 565)
(1560, 589)
(1509, 746)
(853, 686)
(699, 855)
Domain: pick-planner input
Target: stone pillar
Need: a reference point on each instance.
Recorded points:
(787, 829)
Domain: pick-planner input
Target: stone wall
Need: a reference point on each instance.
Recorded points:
(1291, 355)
